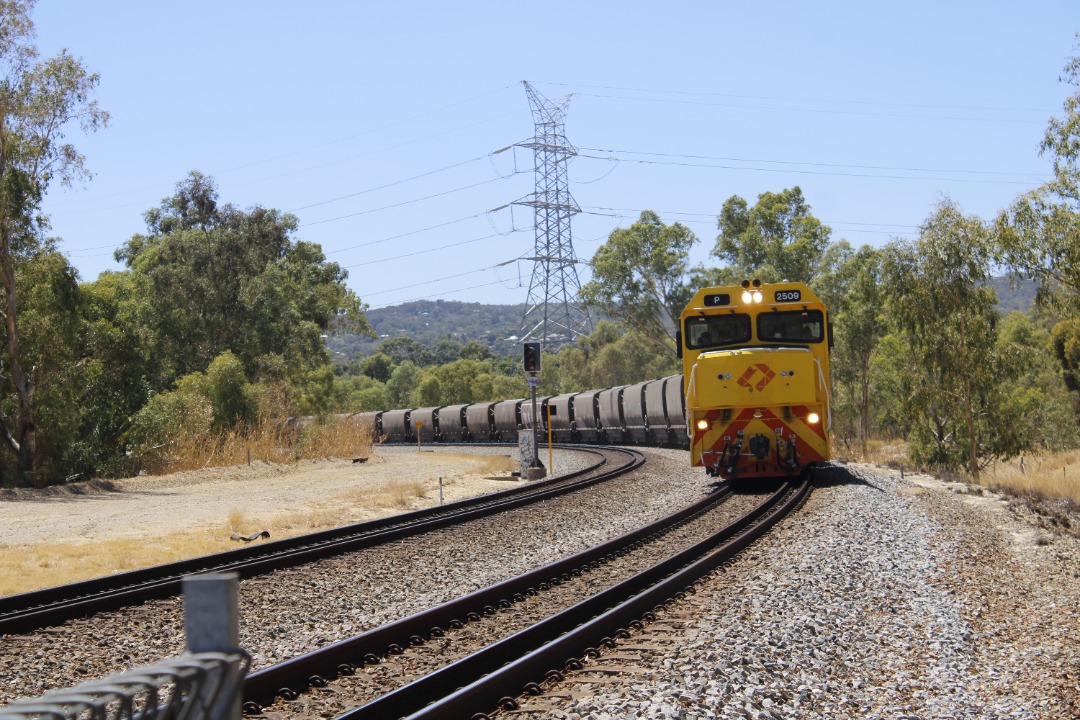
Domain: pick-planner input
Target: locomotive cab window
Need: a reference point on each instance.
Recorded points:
(709, 331)
(801, 326)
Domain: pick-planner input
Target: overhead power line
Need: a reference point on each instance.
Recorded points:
(425, 251)
(402, 181)
(403, 202)
(714, 166)
(309, 148)
(709, 220)
(1041, 176)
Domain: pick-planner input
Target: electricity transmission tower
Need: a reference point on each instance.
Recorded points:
(553, 314)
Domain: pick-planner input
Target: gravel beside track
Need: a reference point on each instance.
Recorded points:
(371, 681)
(882, 598)
(297, 610)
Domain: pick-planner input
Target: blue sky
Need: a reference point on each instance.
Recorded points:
(374, 123)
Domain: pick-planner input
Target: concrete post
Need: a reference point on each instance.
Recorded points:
(212, 624)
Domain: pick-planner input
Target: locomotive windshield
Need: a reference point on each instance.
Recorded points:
(708, 331)
(802, 326)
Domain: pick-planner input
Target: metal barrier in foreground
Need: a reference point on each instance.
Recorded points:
(202, 684)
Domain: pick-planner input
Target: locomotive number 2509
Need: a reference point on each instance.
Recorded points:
(788, 295)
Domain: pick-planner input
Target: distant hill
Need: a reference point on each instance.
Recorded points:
(428, 321)
(1021, 298)
(497, 326)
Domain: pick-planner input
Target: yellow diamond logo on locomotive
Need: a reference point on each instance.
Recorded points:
(747, 379)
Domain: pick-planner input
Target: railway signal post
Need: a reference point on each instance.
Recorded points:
(531, 360)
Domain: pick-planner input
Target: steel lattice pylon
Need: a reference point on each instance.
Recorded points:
(552, 312)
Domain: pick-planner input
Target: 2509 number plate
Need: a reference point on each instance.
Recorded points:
(788, 295)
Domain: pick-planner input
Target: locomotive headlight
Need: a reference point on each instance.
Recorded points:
(747, 298)
(703, 424)
(813, 418)
(757, 296)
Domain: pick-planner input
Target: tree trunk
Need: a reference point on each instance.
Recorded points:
(25, 435)
(864, 406)
(973, 444)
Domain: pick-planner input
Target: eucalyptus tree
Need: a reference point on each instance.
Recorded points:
(214, 278)
(941, 306)
(856, 313)
(40, 100)
(639, 277)
(1039, 235)
(777, 239)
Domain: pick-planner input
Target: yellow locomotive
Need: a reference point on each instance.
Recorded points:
(756, 379)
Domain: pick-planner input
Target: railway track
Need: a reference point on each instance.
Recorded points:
(525, 631)
(51, 606)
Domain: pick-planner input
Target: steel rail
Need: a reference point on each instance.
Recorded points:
(494, 676)
(50, 606)
(288, 679)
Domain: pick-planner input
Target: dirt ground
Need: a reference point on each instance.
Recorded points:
(149, 520)
(261, 493)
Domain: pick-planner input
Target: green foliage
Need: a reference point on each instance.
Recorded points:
(428, 391)
(1066, 343)
(378, 366)
(49, 328)
(213, 278)
(164, 421)
(612, 356)
(939, 304)
(39, 101)
(777, 239)
(401, 384)
(856, 315)
(372, 398)
(639, 277)
(406, 349)
(229, 392)
(1036, 236)
(1034, 408)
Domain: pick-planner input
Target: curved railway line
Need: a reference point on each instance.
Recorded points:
(51, 606)
(462, 657)
(476, 651)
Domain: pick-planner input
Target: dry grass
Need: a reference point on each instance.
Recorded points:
(497, 465)
(30, 567)
(878, 452)
(273, 441)
(1053, 475)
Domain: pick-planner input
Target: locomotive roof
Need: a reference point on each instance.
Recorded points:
(709, 298)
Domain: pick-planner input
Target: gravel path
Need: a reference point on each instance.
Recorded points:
(882, 598)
